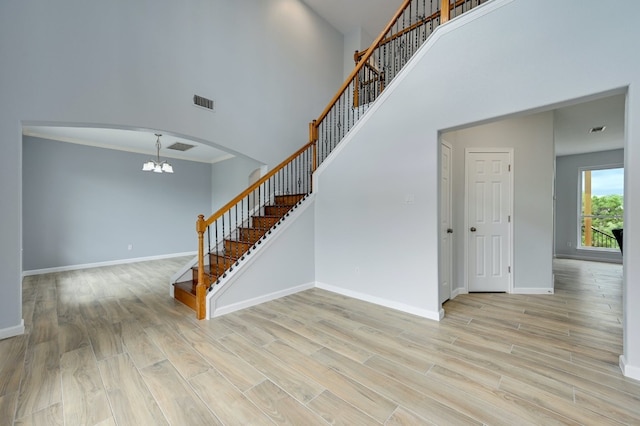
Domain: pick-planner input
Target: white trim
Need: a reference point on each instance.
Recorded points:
(458, 291)
(512, 191)
(590, 259)
(12, 331)
(442, 252)
(260, 299)
(630, 371)
(424, 313)
(107, 263)
(532, 290)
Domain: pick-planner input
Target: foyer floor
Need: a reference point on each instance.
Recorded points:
(108, 346)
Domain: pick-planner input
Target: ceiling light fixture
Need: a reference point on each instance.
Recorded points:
(157, 166)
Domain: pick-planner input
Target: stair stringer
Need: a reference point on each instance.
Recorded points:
(272, 269)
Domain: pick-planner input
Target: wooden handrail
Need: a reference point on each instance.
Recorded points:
(360, 64)
(250, 189)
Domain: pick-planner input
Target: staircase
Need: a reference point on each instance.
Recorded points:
(236, 246)
(227, 230)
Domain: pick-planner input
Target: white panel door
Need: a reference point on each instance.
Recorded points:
(488, 219)
(446, 246)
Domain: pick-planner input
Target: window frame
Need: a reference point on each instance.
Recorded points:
(580, 217)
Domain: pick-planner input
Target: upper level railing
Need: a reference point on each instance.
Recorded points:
(409, 27)
(375, 67)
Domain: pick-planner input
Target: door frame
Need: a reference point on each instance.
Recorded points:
(467, 151)
(441, 251)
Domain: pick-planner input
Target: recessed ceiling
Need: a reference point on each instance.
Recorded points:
(573, 124)
(142, 142)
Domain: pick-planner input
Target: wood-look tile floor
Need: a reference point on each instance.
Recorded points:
(108, 346)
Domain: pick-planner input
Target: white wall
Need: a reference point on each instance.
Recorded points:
(531, 138)
(568, 169)
(270, 65)
(510, 56)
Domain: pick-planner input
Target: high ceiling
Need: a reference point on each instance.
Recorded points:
(348, 15)
(572, 123)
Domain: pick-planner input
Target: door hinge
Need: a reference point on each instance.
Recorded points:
(509, 167)
(509, 268)
(509, 219)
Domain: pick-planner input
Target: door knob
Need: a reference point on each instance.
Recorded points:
(473, 229)
(449, 231)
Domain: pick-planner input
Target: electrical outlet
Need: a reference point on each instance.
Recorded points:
(130, 247)
(568, 243)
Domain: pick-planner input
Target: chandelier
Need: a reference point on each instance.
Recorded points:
(157, 166)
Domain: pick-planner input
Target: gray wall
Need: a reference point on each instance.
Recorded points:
(567, 199)
(229, 178)
(531, 138)
(85, 205)
(270, 65)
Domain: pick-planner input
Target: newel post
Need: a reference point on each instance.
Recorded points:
(444, 11)
(201, 289)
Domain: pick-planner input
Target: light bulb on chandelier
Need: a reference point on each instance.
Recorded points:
(157, 166)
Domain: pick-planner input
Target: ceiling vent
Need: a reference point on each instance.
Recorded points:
(203, 102)
(179, 146)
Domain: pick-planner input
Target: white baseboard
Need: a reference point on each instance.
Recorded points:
(107, 263)
(216, 312)
(432, 315)
(587, 258)
(12, 331)
(532, 290)
(456, 292)
(630, 371)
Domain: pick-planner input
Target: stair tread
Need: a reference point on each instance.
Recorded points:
(186, 286)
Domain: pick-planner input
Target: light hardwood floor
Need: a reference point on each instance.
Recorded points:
(108, 346)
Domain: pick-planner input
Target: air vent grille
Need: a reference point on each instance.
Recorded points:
(203, 102)
(179, 146)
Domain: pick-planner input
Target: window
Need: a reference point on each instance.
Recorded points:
(601, 208)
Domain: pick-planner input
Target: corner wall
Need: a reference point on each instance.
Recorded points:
(508, 57)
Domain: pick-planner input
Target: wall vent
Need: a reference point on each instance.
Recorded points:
(203, 102)
(179, 146)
